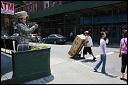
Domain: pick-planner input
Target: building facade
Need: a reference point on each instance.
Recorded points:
(7, 12)
(63, 17)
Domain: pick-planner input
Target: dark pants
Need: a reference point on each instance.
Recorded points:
(87, 50)
(124, 62)
(23, 47)
(72, 38)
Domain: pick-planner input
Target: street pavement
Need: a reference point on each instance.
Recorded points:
(65, 70)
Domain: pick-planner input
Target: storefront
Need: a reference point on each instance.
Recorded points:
(7, 12)
(111, 17)
(79, 16)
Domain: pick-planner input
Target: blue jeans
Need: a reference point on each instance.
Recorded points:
(102, 60)
(22, 47)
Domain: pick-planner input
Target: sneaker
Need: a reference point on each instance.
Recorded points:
(122, 78)
(82, 57)
(104, 72)
(94, 58)
(95, 70)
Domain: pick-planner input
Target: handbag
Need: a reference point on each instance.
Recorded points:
(125, 42)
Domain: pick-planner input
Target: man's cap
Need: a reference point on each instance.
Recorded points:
(87, 32)
(21, 14)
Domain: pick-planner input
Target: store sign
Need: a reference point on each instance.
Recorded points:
(7, 8)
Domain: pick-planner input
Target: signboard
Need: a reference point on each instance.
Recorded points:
(7, 8)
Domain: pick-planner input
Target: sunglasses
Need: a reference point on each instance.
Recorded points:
(23, 18)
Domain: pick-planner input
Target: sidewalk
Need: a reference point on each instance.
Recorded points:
(114, 45)
(71, 72)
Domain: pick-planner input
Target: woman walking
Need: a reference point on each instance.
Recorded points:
(102, 49)
(123, 54)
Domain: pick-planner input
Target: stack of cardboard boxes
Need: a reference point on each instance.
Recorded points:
(76, 45)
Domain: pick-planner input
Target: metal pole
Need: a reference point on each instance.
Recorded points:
(64, 26)
(75, 24)
(4, 44)
(14, 46)
(92, 25)
(112, 26)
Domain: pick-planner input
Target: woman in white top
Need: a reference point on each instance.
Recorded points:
(102, 49)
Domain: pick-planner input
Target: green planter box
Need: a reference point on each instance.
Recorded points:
(30, 65)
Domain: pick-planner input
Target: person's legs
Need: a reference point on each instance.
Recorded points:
(94, 58)
(90, 52)
(98, 65)
(126, 66)
(72, 38)
(124, 63)
(84, 52)
(104, 63)
(22, 47)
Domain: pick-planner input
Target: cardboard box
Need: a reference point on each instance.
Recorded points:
(76, 45)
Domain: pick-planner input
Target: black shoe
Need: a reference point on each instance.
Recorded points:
(95, 70)
(94, 59)
(105, 73)
(122, 78)
(82, 57)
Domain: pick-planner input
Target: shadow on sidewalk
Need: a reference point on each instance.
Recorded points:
(88, 60)
(49, 78)
(43, 80)
(78, 57)
(109, 75)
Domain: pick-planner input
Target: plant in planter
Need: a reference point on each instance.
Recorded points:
(37, 46)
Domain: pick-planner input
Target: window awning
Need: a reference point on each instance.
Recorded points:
(74, 6)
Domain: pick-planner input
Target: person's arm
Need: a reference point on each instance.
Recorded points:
(107, 41)
(84, 42)
(91, 42)
(25, 28)
(103, 47)
(86, 39)
(34, 27)
(120, 48)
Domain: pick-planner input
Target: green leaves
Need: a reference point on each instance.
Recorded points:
(37, 46)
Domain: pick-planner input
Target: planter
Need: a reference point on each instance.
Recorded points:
(30, 65)
(8, 43)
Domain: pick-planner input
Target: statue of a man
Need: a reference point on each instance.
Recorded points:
(24, 31)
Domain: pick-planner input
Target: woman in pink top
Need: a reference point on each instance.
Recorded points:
(123, 54)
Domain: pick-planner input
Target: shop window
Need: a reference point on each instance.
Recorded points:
(46, 4)
(60, 2)
(53, 4)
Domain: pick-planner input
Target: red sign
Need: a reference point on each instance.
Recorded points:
(7, 8)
